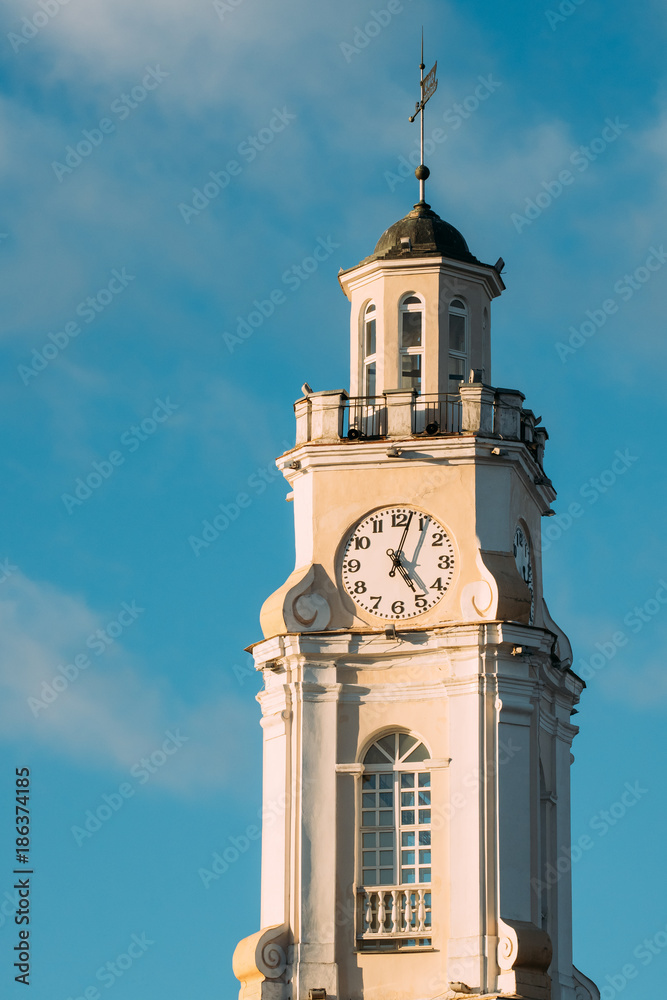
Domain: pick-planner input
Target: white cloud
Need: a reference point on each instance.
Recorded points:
(112, 714)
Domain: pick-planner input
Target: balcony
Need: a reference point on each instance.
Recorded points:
(393, 917)
(328, 417)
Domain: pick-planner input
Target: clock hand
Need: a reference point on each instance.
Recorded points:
(397, 554)
(397, 565)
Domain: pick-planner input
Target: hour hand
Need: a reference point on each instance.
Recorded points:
(397, 565)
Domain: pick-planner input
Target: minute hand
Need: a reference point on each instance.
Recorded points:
(397, 552)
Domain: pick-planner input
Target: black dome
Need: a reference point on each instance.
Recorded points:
(428, 235)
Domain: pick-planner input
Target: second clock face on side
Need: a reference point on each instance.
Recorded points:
(398, 563)
(524, 565)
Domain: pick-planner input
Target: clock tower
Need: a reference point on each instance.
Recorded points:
(417, 693)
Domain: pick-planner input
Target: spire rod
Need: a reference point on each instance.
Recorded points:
(428, 86)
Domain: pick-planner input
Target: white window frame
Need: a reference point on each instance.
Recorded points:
(461, 310)
(403, 308)
(367, 360)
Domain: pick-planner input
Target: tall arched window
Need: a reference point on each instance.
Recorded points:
(458, 343)
(411, 342)
(395, 849)
(369, 350)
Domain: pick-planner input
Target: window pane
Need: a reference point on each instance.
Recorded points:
(420, 753)
(457, 333)
(368, 819)
(375, 756)
(424, 798)
(408, 817)
(386, 798)
(369, 840)
(404, 743)
(424, 857)
(386, 818)
(424, 816)
(425, 875)
(412, 329)
(369, 857)
(386, 840)
(370, 338)
(368, 799)
(412, 300)
(386, 780)
(368, 780)
(407, 781)
(424, 837)
(370, 308)
(387, 877)
(407, 876)
(425, 779)
(408, 839)
(370, 877)
(457, 304)
(408, 857)
(371, 379)
(411, 375)
(457, 368)
(387, 858)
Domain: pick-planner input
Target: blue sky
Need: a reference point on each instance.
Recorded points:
(139, 301)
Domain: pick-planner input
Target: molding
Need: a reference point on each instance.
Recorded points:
(355, 769)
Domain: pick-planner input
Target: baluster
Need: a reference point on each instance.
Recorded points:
(408, 910)
(394, 911)
(421, 912)
(368, 914)
(382, 912)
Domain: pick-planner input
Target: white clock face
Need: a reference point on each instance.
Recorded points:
(398, 563)
(524, 564)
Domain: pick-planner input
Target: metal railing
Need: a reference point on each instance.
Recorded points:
(437, 413)
(365, 417)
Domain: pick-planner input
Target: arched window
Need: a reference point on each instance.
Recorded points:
(395, 849)
(369, 350)
(458, 343)
(411, 342)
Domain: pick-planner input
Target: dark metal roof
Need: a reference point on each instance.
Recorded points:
(429, 236)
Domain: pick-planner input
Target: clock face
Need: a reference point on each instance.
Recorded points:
(524, 565)
(398, 563)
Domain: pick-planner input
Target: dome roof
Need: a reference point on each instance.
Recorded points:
(422, 233)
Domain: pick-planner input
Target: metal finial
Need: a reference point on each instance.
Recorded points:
(428, 85)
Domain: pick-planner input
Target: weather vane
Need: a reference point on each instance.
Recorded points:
(429, 85)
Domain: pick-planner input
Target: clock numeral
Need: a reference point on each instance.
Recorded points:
(437, 538)
(420, 600)
(397, 608)
(363, 542)
(423, 521)
(360, 587)
(445, 562)
(377, 526)
(437, 585)
(352, 565)
(377, 603)
(399, 520)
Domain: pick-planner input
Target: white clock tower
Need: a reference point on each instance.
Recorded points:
(417, 694)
